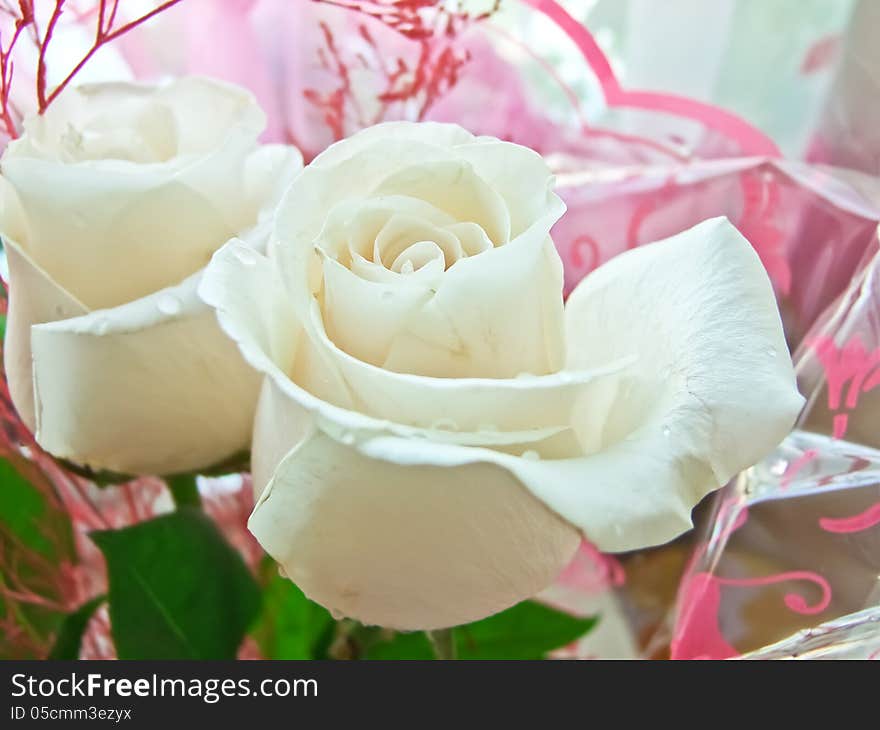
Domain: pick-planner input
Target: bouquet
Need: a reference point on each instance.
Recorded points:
(411, 328)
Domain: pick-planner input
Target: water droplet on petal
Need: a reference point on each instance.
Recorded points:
(169, 304)
(531, 455)
(245, 255)
(771, 351)
(347, 438)
(666, 431)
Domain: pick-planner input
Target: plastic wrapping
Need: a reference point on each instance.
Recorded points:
(793, 543)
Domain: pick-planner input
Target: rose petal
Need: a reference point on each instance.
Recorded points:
(467, 404)
(33, 298)
(407, 548)
(109, 230)
(268, 172)
(520, 176)
(345, 182)
(699, 312)
(455, 187)
(150, 387)
(99, 107)
(435, 134)
(363, 316)
(480, 324)
(396, 240)
(635, 494)
(255, 310)
(713, 370)
(352, 226)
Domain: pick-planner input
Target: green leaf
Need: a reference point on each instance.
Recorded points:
(36, 540)
(70, 633)
(291, 626)
(178, 590)
(23, 510)
(402, 646)
(529, 630)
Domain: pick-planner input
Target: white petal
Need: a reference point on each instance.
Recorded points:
(207, 110)
(712, 390)
(202, 110)
(519, 175)
(318, 379)
(268, 172)
(455, 187)
(150, 387)
(486, 324)
(466, 404)
(362, 316)
(407, 548)
(254, 309)
(424, 133)
(33, 298)
(112, 230)
(351, 227)
(633, 495)
(109, 239)
(698, 312)
(312, 196)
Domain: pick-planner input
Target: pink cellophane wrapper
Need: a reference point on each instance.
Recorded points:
(786, 557)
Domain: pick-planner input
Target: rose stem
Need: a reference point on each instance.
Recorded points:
(443, 643)
(183, 490)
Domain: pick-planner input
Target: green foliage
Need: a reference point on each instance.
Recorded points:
(401, 646)
(529, 630)
(184, 490)
(291, 626)
(36, 538)
(177, 589)
(70, 633)
(24, 511)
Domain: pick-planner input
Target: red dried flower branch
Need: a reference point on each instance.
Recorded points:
(23, 17)
(432, 24)
(415, 19)
(104, 33)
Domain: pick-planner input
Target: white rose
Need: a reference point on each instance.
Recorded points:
(436, 431)
(115, 200)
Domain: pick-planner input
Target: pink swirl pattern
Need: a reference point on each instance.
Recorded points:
(752, 141)
(845, 525)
